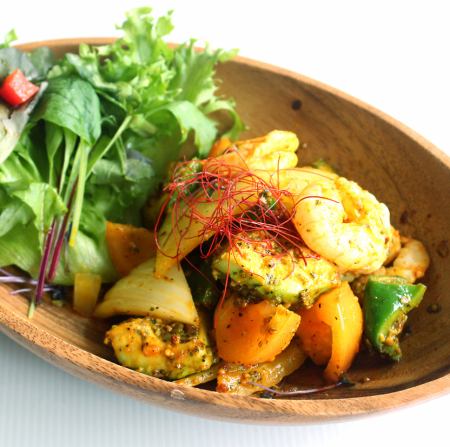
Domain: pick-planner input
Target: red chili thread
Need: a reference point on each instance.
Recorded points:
(241, 208)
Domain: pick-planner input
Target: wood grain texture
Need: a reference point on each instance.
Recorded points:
(405, 171)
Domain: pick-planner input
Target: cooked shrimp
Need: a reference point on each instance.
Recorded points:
(345, 224)
(411, 262)
(294, 180)
(359, 283)
(276, 140)
(276, 150)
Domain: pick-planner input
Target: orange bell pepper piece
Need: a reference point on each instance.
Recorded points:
(129, 246)
(255, 333)
(331, 330)
(220, 146)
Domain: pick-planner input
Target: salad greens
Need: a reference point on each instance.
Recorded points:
(98, 141)
(34, 65)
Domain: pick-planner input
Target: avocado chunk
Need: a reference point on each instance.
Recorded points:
(259, 268)
(168, 350)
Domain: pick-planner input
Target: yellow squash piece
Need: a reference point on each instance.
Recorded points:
(331, 330)
(85, 292)
(254, 333)
(142, 294)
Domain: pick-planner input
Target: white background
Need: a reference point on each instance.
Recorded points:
(393, 55)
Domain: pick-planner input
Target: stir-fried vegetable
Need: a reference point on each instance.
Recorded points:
(161, 348)
(86, 290)
(331, 330)
(129, 246)
(88, 141)
(260, 262)
(266, 270)
(244, 380)
(253, 333)
(142, 294)
(387, 301)
(229, 179)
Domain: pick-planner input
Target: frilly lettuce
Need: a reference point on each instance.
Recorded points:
(101, 138)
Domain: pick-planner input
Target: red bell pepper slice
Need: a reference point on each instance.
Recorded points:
(17, 89)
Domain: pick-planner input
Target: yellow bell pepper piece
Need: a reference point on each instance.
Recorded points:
(85, 292)
(331, 330)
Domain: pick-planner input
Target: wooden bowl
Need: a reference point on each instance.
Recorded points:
(405, 171)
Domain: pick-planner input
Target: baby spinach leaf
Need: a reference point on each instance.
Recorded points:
(53, 138)
(117, 195)
(42, 59)
(71, 103)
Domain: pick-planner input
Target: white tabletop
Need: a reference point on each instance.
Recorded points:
(393, 55)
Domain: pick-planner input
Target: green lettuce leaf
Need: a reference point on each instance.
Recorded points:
(107, 127)
(190, 118)
(19, 249)
(167, 92)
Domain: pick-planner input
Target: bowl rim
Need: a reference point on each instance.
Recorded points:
(53, 349)
(422, 141)
(86, 365)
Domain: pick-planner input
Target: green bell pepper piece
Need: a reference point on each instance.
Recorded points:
(387, 300)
